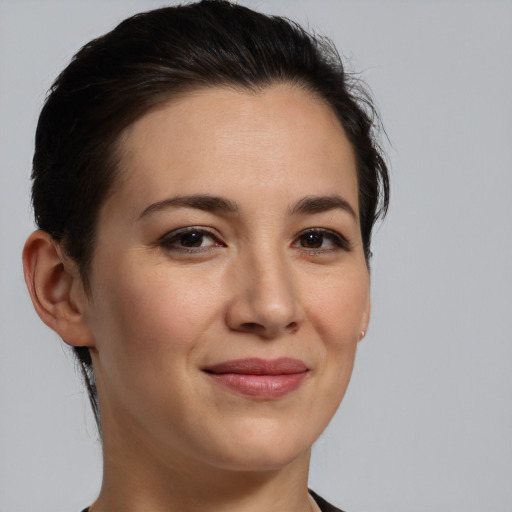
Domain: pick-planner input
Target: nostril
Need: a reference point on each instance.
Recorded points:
(260, 329)
(292, 326)
(252, 327)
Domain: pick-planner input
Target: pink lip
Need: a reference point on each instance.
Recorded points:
(260, 378)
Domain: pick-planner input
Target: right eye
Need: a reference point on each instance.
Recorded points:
(190, 240)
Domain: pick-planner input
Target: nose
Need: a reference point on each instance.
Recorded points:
(265, 301)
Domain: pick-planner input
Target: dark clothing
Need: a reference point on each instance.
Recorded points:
(324, 506)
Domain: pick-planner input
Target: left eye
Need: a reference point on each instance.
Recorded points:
(321, 239)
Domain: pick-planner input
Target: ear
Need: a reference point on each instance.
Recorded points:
(56, 289)
(365, 320)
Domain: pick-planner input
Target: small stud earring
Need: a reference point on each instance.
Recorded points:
(362, 335)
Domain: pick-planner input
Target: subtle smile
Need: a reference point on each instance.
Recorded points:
(259, 378)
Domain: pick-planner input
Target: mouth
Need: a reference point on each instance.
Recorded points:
(263, 379)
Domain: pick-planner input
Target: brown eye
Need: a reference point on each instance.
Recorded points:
(321, 240)
(192, 239)
(311, 240)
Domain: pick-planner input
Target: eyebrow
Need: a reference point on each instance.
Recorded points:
(207, 203)
(320, 204)
(216, 204)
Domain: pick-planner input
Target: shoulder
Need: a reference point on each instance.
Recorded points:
(324, 505)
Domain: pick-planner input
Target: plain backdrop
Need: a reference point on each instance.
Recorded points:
(426, 424)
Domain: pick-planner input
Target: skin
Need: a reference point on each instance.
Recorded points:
(257, 283)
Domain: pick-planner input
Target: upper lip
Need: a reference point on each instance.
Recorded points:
(258, 366)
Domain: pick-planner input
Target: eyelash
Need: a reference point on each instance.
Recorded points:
(171, 240)
(338, 240)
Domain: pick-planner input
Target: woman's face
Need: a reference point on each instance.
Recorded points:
(229, 284)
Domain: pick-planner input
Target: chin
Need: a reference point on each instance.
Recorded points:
(264, 450)
(272, 460)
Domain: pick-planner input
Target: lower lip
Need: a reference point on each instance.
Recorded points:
(264, 387)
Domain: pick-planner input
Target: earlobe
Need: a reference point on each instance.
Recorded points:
(56, 289)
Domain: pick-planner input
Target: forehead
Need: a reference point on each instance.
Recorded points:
(216, 138)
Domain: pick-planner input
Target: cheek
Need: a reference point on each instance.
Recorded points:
(339, 307)
(338, 310)
(149, 324)
(155, 308)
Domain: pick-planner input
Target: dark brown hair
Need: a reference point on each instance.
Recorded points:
(149, 58)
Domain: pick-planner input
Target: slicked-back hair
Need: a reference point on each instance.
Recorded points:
(153, 57)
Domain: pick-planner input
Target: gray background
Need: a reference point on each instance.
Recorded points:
(427, 421)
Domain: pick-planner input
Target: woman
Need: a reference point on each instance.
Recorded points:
(206, 181)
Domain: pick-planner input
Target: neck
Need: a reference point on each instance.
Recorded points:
(139, 477)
